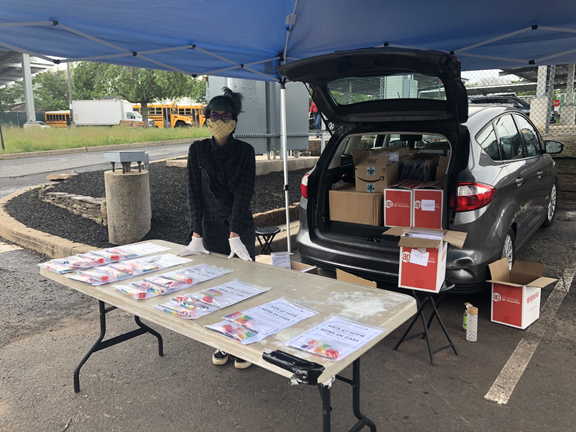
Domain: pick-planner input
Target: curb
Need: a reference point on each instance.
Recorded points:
(10, 156)
(58, 247)
(47, 244)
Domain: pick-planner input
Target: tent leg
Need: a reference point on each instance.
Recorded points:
(285, 159)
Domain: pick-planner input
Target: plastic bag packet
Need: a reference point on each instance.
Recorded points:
(57, 268)
(92, 256)
(321, 348)
(112, 272)
(111, 256)
(180, 311)
(208, 297)
(153, 288)
(180, 277)
(135, 292)
(144, 267)
(188, 301)
(76, 261)
(164, 282)
(125, 252)
(125, 268)
(245, 321)
(97, 275)
(82, 278)
(233, 331)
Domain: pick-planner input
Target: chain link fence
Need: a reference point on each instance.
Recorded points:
(544, 93)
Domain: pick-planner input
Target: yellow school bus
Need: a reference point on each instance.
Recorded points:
(171, 116)
(59, 119)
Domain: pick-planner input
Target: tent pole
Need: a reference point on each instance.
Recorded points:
(285, 159)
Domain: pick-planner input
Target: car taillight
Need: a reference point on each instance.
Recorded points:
(304, 186)
(472, 196)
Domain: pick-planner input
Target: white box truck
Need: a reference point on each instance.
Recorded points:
(107, 112)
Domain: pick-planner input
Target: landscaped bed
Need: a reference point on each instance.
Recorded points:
(168, 197)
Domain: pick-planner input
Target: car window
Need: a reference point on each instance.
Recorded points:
(508, 138)
(487, 140)
(529, 134)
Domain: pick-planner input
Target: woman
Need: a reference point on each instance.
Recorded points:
(221, 177)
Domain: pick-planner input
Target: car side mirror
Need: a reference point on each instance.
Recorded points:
(553, 147)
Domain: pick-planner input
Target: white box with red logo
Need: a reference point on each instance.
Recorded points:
(423, 256)
(398, 203)
(427, 207)
(516, 293)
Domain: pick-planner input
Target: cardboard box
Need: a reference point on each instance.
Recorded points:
(423, 260)
(394, 153)
(428, 205)
(442, 167)
(398, 201)
(373, 172)
(516, 293)
(348, 277)
(348, 205)
(301, 267)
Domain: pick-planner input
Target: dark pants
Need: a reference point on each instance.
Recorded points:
(216, 232)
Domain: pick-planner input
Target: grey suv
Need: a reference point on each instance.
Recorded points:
(500, 183)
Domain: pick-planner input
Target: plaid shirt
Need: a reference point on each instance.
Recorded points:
(232, 166)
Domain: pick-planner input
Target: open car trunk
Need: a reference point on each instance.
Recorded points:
(337, 171)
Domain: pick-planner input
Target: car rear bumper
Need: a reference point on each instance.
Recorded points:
(383, 271)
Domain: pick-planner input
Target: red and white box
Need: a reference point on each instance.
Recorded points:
(423, 256)
(398, 203)
(427, 207)
(516, 293)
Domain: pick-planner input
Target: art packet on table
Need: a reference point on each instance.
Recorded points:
(335, 338)
(135, 292)
(129, 268)
(185, 312)
(234, 331)
(78, 262)
(212, 299)
(264, 320)
(131, 251)
(57, 268)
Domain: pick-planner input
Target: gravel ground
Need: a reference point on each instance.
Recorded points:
(168, 198)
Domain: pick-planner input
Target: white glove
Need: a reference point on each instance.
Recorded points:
(194, 248)
(238, 248)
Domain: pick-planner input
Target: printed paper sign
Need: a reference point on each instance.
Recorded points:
(428, 205)
(419, 258)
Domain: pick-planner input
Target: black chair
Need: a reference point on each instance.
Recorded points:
(267, 234)
(435, 299)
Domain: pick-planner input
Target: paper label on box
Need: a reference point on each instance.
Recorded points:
(419, 258)
(371, 171)
(428, 205)
(370, 187)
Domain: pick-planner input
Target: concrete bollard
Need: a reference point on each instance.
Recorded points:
(127, 206)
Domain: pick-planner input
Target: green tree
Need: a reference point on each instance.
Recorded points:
(134, 84)
(11, 94)
(51, 91)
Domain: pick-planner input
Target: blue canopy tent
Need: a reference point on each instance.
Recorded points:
(249, 39)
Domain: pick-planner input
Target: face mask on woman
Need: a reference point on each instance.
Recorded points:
(219, 128)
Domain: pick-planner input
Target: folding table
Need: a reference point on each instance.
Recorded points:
(331, 297)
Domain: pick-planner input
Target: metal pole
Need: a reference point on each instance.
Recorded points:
(322, 138)
(550, 98)
(28, 92)
(285, 159)
(70, 94)
(2, 137)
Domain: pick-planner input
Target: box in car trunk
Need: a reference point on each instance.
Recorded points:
(373, 171)
(348, 205)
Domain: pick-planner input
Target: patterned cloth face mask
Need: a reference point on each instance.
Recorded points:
(220, 129)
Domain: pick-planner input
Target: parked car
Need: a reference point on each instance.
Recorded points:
(500, 185)
(510, 101)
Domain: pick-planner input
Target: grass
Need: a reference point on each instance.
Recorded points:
(19, 140)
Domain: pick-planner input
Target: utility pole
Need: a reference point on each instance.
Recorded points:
(70, 94)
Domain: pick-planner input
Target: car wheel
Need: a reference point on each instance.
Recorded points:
(509, 247)
(551, 213)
